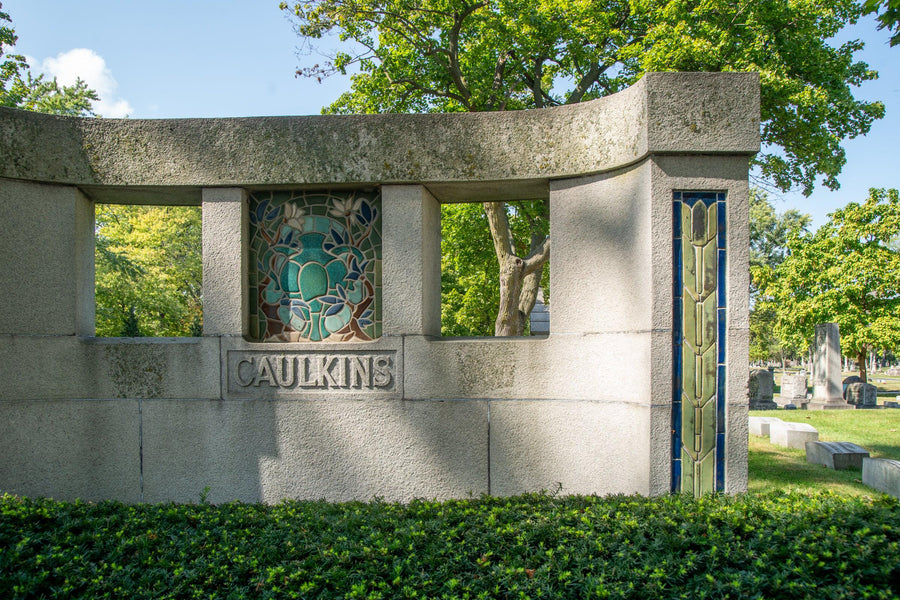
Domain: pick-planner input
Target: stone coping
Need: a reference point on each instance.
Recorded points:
(488, 156)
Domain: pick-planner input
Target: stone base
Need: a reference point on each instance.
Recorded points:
(783, 401)
(763, 405)
(819, 405)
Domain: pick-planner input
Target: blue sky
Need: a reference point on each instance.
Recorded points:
(228, 58)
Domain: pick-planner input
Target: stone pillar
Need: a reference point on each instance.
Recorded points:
(225, 295)
(827, 387)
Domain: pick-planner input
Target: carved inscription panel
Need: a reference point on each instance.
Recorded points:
(261, 374)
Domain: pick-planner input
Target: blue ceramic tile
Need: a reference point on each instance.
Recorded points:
(676, 220)
(720, 462)
(721, 330)
(720, 241)
(721, 291)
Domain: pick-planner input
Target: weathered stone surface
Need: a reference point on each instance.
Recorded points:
(839, 456)
(862, 394)
(334, 449)
(793, 386)
(762, 388)
(68, 449)
(827, 390)
(211, 418)
(541, 445)
(761, 425)
(792, 435)
(698, 113)
(882, 474)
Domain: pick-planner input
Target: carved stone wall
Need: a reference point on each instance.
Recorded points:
(321, 372)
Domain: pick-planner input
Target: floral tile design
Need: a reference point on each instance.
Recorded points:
(315, 266)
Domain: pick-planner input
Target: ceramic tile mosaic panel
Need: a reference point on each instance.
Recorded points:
(698, 411)
(315, 266)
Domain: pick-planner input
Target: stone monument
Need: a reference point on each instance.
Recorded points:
(762, 388)
(321, 371)
(827, 387)
(862, 395)
(793, 388)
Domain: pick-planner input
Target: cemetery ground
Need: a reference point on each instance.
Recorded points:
(802, 531)
(775, 467)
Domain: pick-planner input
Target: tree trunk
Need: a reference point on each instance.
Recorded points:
(519, 277)
(861, 363)
(510, 319)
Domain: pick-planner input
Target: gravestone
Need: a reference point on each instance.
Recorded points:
(792, 435)
(839, 456)
(827, 389)
(847, 381)
(761, 425)
(762, 388)
(793, 388)
(882, 474)
(862, 395)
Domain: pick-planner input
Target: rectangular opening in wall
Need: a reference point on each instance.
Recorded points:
(148, 270)
(475, 290)
(315, 266)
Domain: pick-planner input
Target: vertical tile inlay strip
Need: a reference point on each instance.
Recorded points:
(698, 342)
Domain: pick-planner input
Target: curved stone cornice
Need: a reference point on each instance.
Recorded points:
(454, 154)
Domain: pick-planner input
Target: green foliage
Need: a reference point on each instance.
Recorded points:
(483, 55)
(847, 272)
(20, 89)
(470, 293)
(889, 17)
(148, 270)
(776, 545)
(807, 103)
(769, 232)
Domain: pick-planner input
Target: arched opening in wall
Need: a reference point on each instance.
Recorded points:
(148, 271)
(478, 297)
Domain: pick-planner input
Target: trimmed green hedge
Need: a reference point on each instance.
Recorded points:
(776, 545)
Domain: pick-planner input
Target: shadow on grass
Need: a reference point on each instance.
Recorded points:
(773, 467)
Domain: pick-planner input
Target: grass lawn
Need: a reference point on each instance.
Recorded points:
(774, 467)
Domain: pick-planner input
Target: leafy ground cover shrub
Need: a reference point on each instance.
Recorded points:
(773, 545)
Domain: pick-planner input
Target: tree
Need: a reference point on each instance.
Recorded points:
(769, 233)
(469, 268)
(889, 17)
(486, 55)
(847, 273)
(148, 270)
(20, 89)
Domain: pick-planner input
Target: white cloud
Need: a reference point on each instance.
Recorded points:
(67, 67)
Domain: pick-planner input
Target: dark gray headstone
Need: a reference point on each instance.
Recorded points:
(847, 381)
(862, 394)
(762, 389)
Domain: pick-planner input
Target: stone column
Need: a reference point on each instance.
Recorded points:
(827, 388)
(225, 297)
